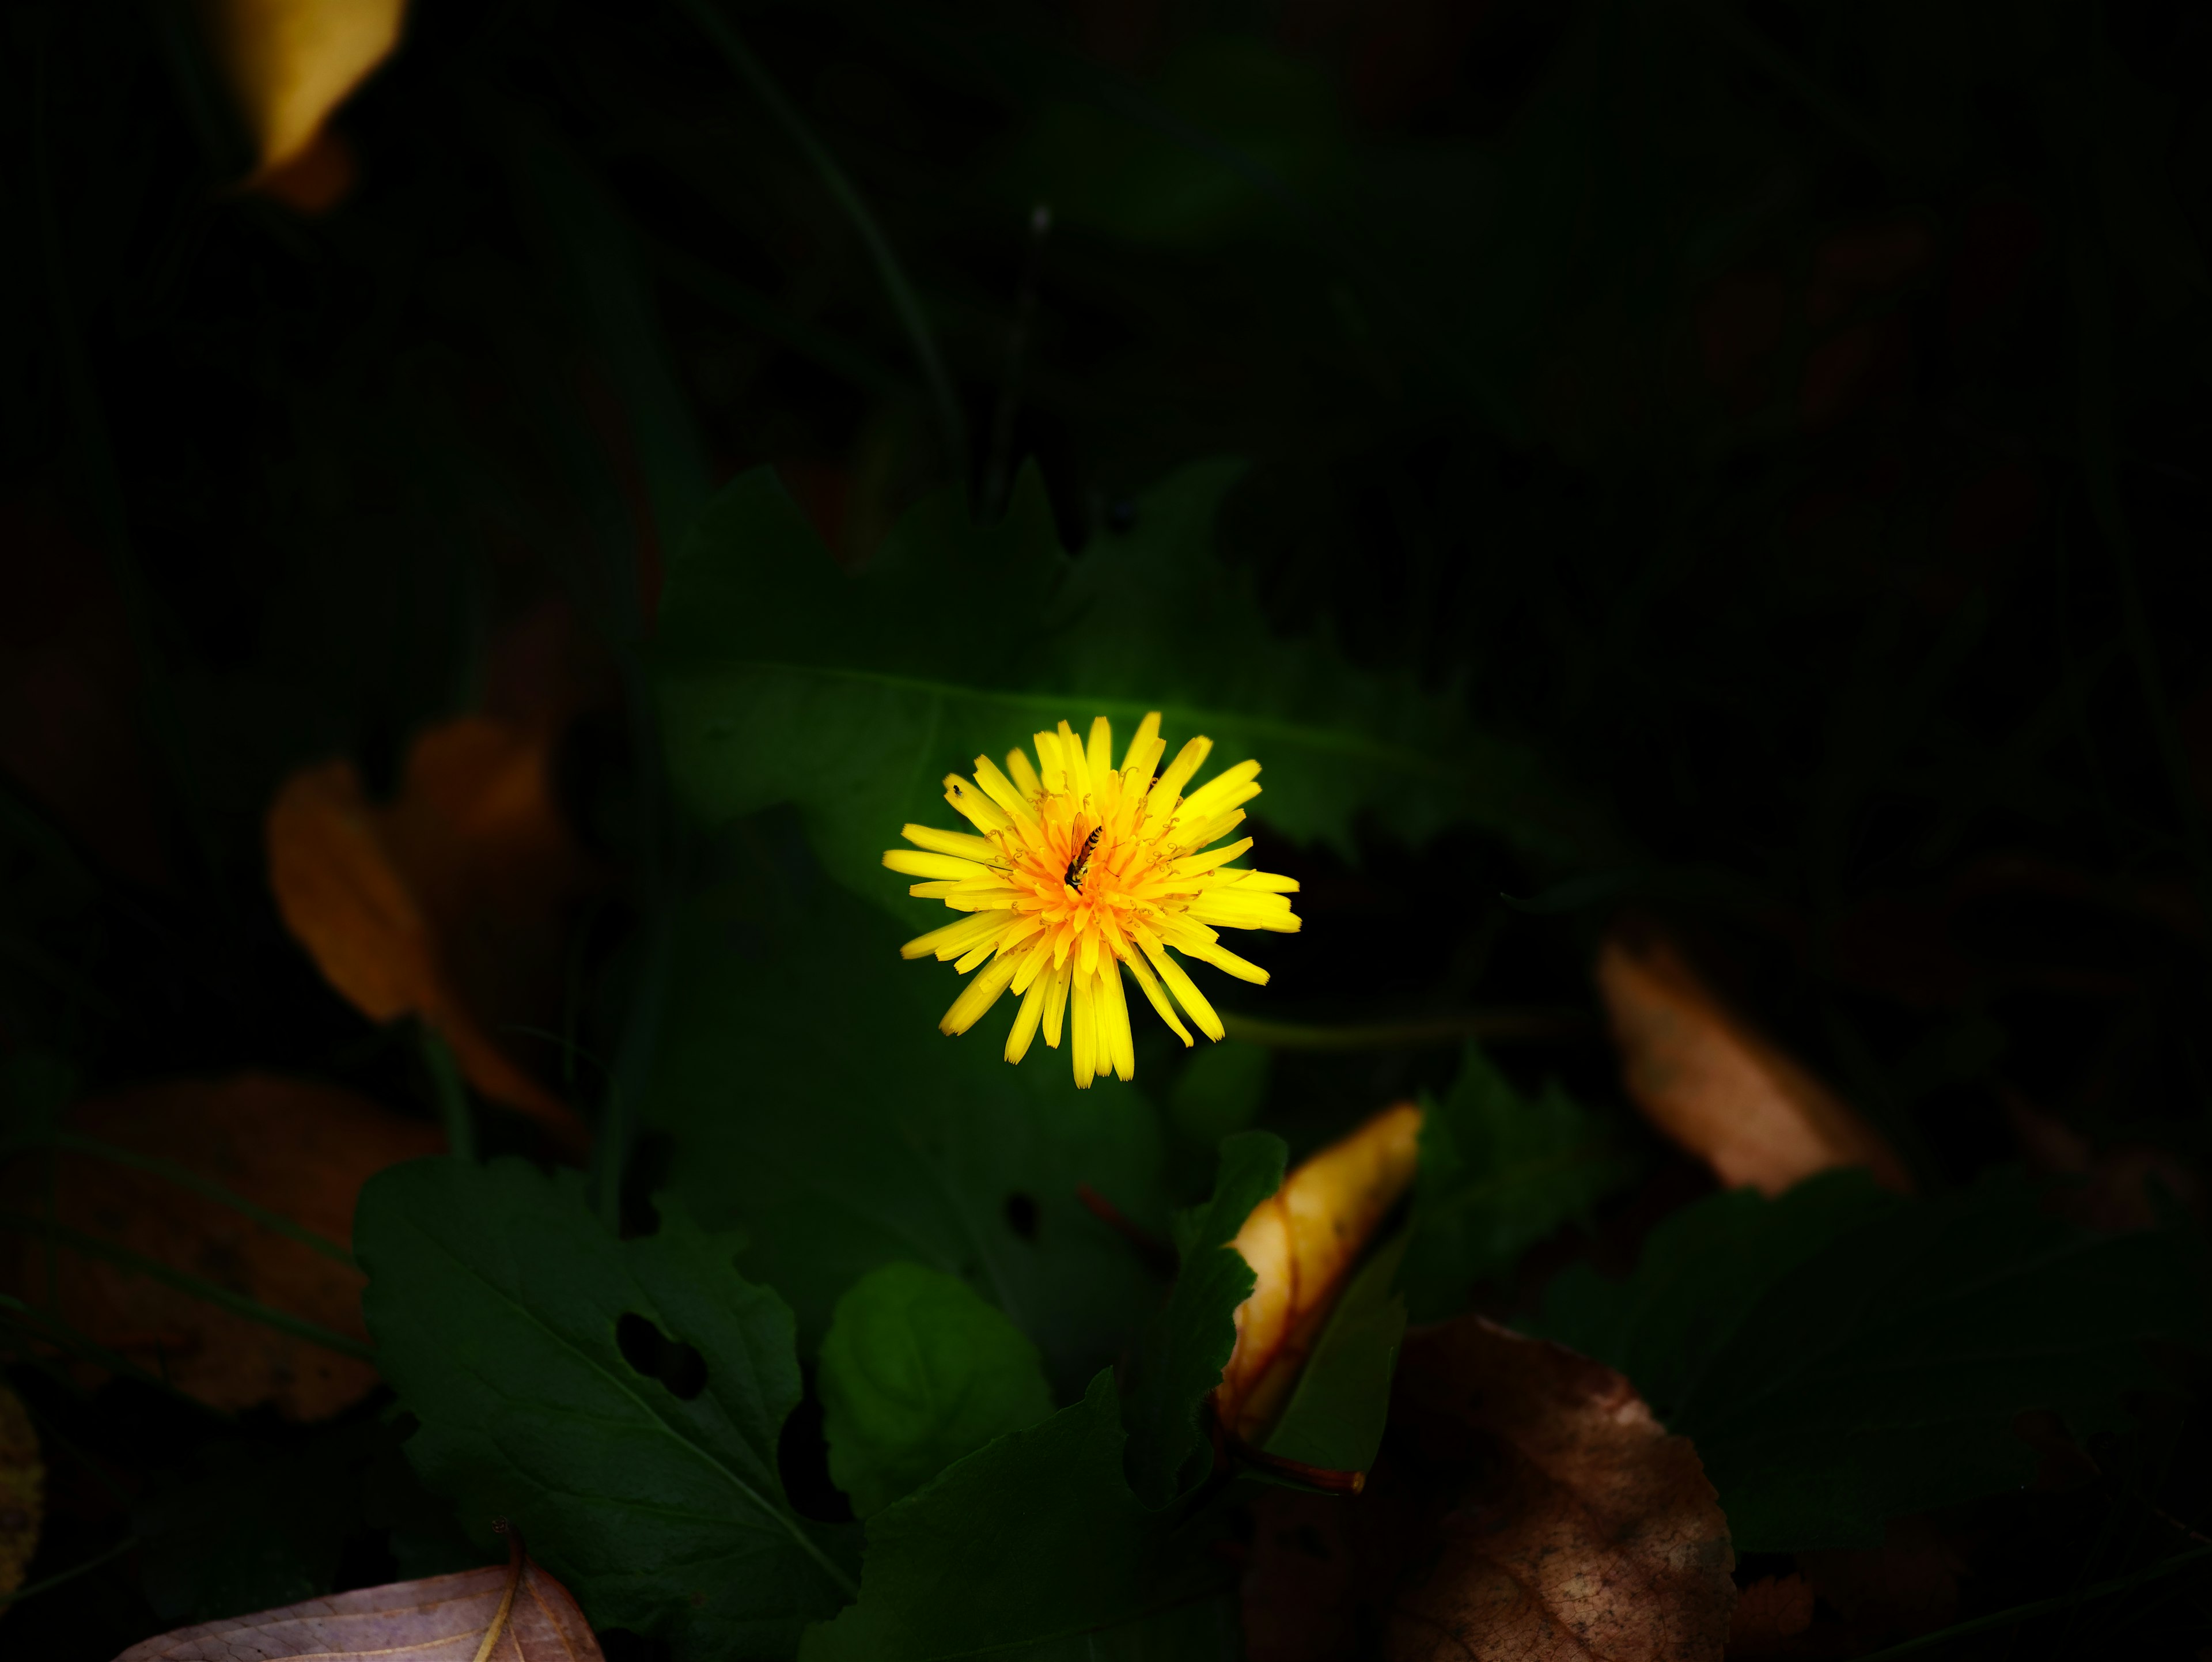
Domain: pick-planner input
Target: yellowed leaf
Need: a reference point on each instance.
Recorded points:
(450, 902)
(22, 1491)
(299, 1149)
(446, 1618)
(1713, 1083)
(1301, 1243)
(290, 64)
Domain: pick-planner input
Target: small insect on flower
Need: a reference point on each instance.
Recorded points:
(1076, 870)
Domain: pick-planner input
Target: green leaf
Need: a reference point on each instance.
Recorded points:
(813, 1102)
(1219, 1091)
(1031, 1549)
(1239, 129)
(1190, 1343)
(495, 1297)
(784, 678)
(1841, 1357)
(1499, 1172)
(918, 1370)
(1335, 1418)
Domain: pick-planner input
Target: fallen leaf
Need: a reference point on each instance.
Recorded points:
(293, 1147)
(290, 64)
(70, 721)
(444, 1619)
(1528, 1505)
(2114, 1189)
(1301, 1243)
(1713, 1083)
(1769, 1613)
(22, 1491)
(1908, 1585)
(450, 902)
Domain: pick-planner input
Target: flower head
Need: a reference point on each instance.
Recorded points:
(1077, 868)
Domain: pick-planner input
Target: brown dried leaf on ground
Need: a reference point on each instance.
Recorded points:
(2114, 1189)
(452, 902)
(1713, 1083)
(1528, 1507)
(1908, 1585)
(1770, 1613)
(444, 1619)
(1302, 1242)
(22, 1491)
(297, 1148)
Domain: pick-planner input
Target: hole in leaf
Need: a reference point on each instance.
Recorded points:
(676, 1364)
(1021, 1214)
(802, 1460)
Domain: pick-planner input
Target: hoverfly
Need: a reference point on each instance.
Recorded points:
(1079, 868)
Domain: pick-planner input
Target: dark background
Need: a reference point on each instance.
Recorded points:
(1790, 417)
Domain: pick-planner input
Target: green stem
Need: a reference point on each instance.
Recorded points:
(953, 431)
(57, 1331)
(85, 1569)
(1532, 1023)
(239, 1304)
(2095, 419)
(185, 1177)
(451, 1091)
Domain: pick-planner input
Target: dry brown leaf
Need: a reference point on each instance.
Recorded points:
(22, 1491)
(450, 902)
(299, 1149)
(444, 1619)
(1770, 1613)
(1712, 1083)
(1301, 1242)
(1527, 1507)
(1908, 1585)
(290, 64)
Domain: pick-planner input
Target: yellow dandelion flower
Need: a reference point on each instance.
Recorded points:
(1077, 868)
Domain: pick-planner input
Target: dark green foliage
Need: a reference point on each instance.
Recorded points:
(1031, 1549)
(812, 1101)
(1841, 1357)
(916, 1371)
(1189, 1344)
(1746, 458)
(1499, 1172)
(496, 1300)
(1333, 1421)
(784, 678)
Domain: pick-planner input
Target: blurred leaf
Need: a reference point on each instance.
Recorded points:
(811, 1100)
(289, 1147)
(1301, 1243)
(784, 678)
(450, 1618)
(1530, 1506)
(1237, 129)
(291, 63)
(1842, 1357)
(1717, 1085)
(1333, 1422)
(497, 1300)
(1499, 1172)
(1180, 1362)
(1032, 1549)
(1219, 1090)
(917, 1371)
(22, 1491)
(450, 902)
